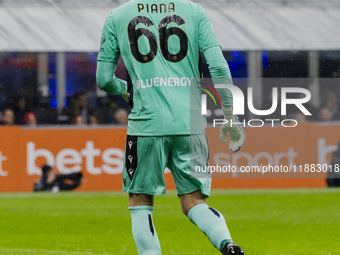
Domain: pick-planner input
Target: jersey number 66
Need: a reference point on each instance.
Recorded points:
(164, 34)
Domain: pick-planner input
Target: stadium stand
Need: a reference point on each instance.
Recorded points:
(75, 25)
(273, 38)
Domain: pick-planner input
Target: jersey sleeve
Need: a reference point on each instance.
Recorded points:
(206, 34)
(220, 74)
(108, 57)
(109, 48)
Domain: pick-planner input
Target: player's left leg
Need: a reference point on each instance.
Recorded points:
(210, 221)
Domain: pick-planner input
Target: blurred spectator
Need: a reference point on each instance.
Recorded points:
(121, 116)
(54, 182)
(325, 114)
(300, 117)
(106, 109)
(45, 114)
(78, 110)
(30, 119)
(333, 177)
(94, 120)
(79, 120)
(7, 117)
(329, 110)
(20, 109)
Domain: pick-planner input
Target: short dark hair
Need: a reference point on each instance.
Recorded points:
(45, 169)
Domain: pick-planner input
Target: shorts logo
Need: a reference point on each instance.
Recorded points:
(131, 171)
(131, 155)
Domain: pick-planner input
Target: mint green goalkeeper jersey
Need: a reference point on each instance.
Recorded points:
(159, 42)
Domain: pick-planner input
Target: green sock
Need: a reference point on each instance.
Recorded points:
(143, 230)
(211, 223)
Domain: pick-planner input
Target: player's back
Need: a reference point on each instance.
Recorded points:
(159, 43)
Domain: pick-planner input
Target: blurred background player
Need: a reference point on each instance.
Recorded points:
(166, 127)
(51, 181)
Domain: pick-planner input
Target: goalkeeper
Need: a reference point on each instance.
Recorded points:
(160, 42)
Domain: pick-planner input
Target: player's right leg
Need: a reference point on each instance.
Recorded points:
(142, 179)
(143, 230)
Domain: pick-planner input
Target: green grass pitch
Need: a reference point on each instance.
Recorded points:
(273, 222)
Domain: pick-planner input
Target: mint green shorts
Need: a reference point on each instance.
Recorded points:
(146, 158)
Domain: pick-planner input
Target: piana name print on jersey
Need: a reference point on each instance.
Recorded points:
(156, 8)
